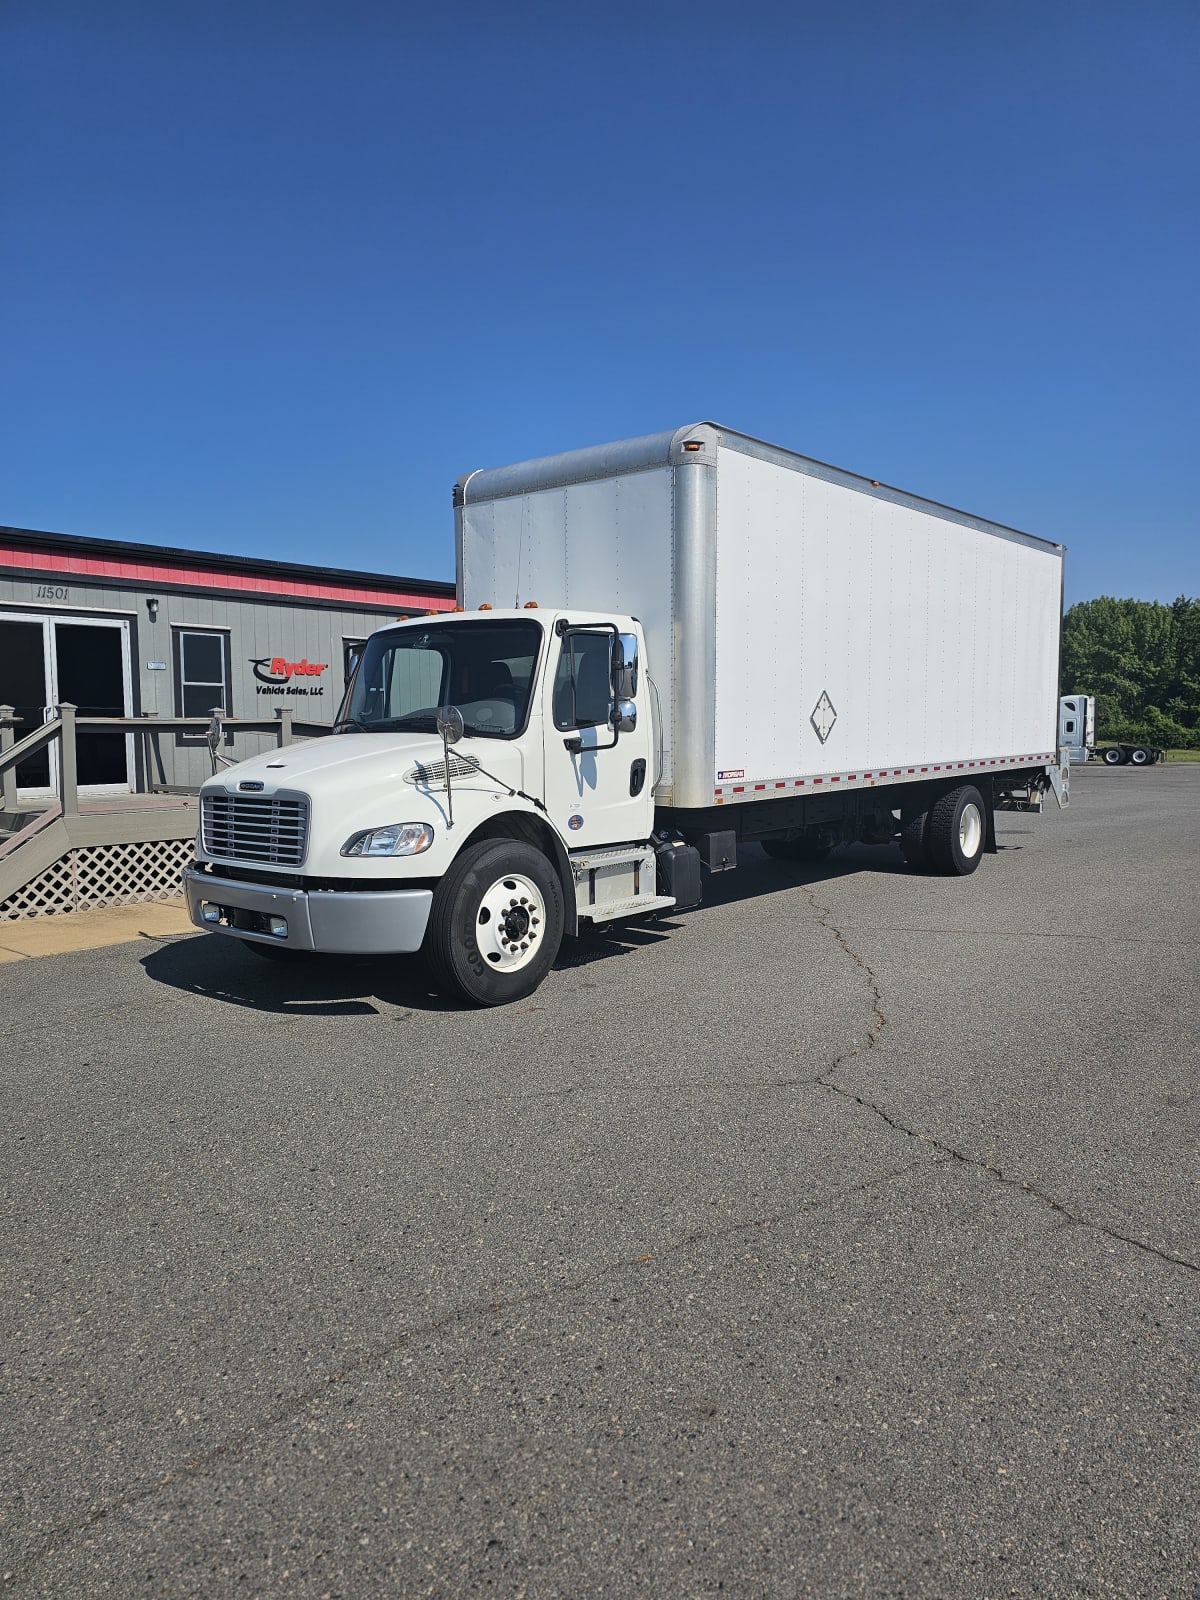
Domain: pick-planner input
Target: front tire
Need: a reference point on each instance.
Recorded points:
(957, 831)
(496, 923)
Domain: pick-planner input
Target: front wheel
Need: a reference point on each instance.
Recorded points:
(957, 831)
(496, 923)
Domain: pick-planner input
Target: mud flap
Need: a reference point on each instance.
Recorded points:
(1060, 778)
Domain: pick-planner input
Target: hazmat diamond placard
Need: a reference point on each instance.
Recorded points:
(823, 718)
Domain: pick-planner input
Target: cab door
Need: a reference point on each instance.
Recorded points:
(598, 779)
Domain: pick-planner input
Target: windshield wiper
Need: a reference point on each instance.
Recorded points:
(350, 722)
(411, 719)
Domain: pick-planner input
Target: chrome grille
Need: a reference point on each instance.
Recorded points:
(267, 828)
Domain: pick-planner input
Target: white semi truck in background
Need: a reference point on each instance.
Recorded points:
(1077, 736)
(666, 649)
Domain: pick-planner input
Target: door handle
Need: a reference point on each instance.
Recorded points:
(637, 778)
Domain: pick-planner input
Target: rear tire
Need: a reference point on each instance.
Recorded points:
(1112, 757)
(957, 831)
(914, 840)
(496, 923)
(1139, 756)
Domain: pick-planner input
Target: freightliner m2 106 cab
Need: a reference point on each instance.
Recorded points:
(669, 648)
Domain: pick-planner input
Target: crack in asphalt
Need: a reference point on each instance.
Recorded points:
(1028, 934)
(361, 1365)
(1023, 1185)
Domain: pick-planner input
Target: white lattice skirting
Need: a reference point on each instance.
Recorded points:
(104, 875)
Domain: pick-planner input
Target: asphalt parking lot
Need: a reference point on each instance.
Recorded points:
(839, 1238)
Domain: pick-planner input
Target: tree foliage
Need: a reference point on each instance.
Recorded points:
(1141, 660)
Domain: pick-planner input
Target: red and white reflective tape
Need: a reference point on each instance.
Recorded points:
(769, 788)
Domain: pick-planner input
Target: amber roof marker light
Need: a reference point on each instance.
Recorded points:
(530, 605)
(693, 444)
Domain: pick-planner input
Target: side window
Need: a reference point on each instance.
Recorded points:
(201, 673)
(1070, 727)
(583, 682)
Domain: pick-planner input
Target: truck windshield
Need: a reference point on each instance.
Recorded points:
(486, 669)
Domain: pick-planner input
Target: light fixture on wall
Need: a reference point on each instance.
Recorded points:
(152, 607)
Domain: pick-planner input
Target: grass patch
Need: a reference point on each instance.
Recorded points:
(1183, 755)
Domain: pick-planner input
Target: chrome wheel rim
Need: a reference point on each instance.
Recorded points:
(970, 830)
(510, 923)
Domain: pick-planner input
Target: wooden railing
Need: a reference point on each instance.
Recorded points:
(62, 730)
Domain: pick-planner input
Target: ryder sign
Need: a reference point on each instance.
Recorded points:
(277, 675)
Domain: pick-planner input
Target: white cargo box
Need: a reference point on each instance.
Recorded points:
(804, 626)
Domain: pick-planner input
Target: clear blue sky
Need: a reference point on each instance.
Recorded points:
(274, 274)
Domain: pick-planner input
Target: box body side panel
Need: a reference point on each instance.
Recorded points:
(929, 640)
(604, 545)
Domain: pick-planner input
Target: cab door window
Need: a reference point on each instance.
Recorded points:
(583, 681)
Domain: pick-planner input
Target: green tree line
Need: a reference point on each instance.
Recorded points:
(1141, 660)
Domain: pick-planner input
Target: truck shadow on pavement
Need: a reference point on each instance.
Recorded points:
(221, 969)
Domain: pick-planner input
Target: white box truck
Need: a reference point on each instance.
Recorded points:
(666, 648)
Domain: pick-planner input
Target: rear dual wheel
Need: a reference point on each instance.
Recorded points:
(1113, 757)
(948, 838)
(496, 923)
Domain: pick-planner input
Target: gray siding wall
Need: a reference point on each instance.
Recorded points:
(255, 628)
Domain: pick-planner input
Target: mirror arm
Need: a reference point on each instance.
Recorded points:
(576, 745)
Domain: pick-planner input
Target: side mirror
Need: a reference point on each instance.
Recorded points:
(625, 716)
(450, 723)
(625, 666)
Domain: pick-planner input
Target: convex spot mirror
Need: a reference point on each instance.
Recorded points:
(450, 723)
(625, 716)
(625, 666)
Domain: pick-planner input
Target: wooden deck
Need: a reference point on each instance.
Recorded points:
(108, 804)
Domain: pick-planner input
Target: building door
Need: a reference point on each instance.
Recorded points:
(91, 672)
(25, 674)
(84, 661)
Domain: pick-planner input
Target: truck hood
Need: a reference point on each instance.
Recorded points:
(362, 764)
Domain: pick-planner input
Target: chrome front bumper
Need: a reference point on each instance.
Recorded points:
(373, 922)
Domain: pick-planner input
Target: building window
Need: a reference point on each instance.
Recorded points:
(201, 673)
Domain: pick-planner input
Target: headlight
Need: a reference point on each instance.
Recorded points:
(400, 839)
